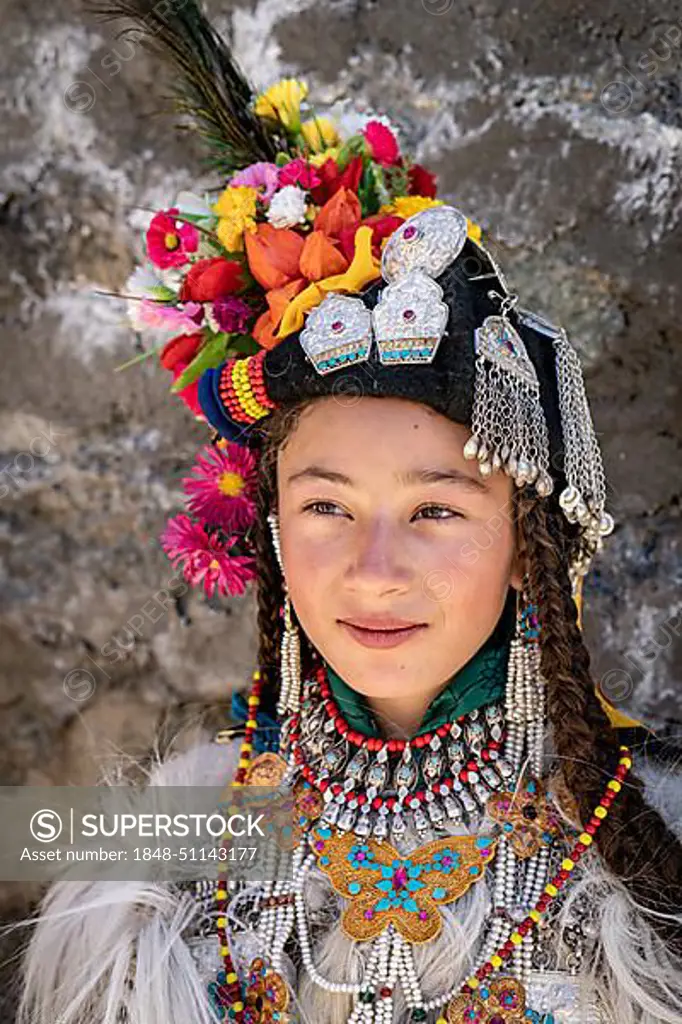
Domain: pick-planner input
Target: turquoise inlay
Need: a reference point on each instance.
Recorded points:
(474, 870)
(354, 888)
(483, 842)
(507, 827)
(439, 893)
(324, 860)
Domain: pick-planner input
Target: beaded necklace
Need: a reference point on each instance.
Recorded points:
(486, 995)
(372, 785)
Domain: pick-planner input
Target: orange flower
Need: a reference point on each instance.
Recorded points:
(273, 255)
(320, 258)
(264, 331)
(279, 298)
(343, 210)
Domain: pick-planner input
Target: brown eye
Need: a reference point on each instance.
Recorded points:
(315, 506)
(449, 512)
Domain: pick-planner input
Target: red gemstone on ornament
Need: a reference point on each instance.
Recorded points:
(409, 314)
(385, 992)
(409, 232)
(337, 325)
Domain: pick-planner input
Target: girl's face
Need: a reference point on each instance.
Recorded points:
(382, 518)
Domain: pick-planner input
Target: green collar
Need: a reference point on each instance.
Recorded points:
(481, 681)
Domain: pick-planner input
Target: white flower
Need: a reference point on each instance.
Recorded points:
(191, 205)
(351, 121)
(287, 207)
(140, 285)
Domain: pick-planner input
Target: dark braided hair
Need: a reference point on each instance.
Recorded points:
(634, 841)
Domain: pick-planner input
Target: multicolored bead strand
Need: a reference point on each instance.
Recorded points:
(242, 389)
(476, 983)
(227, 991)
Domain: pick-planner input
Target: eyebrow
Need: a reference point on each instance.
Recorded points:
(411, 477)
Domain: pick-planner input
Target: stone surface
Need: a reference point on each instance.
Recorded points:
(556, 126)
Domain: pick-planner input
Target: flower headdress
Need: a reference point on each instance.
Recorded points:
(328, 253)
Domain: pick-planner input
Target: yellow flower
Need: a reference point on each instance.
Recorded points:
(236, 208)
(407, 206)
(319, 133)
(317, 159)
(473, 231)
(282, 102)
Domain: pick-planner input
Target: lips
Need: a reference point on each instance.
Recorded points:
(381, 624)
(390, 633)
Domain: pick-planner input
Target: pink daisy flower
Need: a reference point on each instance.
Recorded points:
(206, 559)
(222, 487)
(169, 241)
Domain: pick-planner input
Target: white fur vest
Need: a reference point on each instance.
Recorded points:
(143, 953)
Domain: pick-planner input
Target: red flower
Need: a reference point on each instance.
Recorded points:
(421, 182)
(169, 241)
(190, 394)
(382, 143)
(299, 172)
(176, 355)
(211, 279)
(382, 225)
(180, 350)
(333, 179)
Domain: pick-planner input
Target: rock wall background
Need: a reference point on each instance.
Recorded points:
(557, 126)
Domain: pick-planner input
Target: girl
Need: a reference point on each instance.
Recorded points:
(405, 464)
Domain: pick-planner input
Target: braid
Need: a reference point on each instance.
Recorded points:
(634, 842)
(269, 583)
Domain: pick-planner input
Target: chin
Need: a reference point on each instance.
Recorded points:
(382, 673)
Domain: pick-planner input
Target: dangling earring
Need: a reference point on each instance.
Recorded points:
(290, 650)
(525, 693)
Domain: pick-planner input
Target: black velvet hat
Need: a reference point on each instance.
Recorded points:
(472, 288)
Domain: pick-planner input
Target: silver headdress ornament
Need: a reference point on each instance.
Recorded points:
(409, 320)
(508, 426)
(583, 500)
(509, 429)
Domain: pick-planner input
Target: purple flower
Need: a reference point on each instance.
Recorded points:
(232, 314)
(262, 176)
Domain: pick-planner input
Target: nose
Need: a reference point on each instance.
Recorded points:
(379, 562)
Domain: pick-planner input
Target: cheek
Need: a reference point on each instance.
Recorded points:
(472, 568)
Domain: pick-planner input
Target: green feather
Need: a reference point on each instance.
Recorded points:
(210, 88)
